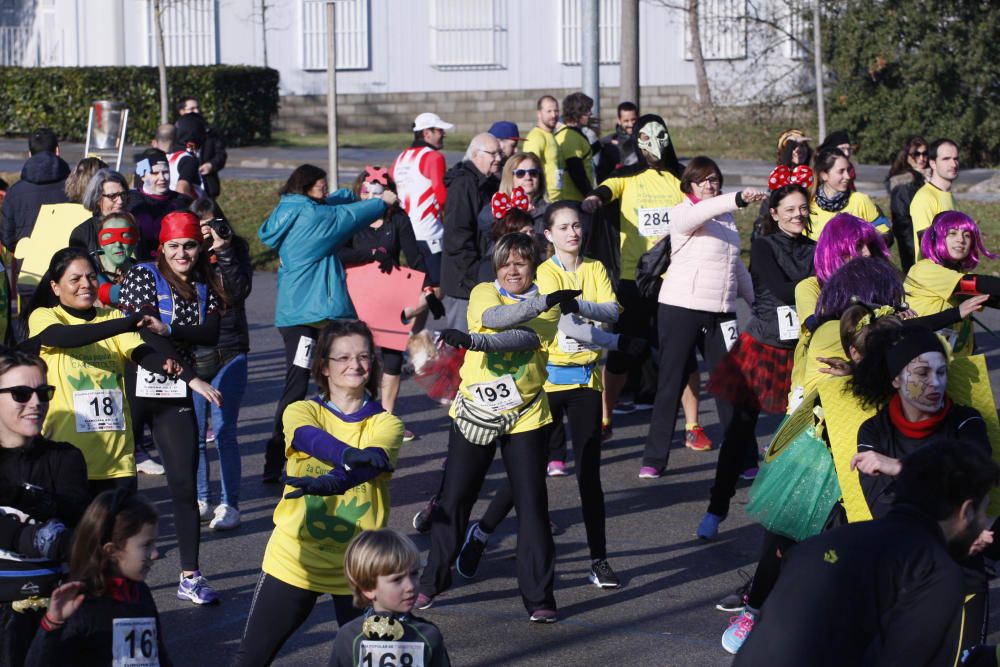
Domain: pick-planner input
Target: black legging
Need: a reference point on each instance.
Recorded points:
(175, 434)
(524, 456)
(276, 611)
(680, 331)
(582, 407)
(296, 386)
(637, 319)
(768, 568)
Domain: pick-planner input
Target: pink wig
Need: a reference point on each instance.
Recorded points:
(841, 240)
(933, 247)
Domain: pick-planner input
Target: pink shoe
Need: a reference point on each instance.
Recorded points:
(649, 472)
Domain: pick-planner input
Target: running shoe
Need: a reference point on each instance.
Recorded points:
(643, 403)
(624, 408)
(472, 550)
(543, 616)
(749, 474)
(602, 576)
(209, 435)
(150, 467)
(696, 439)
(226, 517)
(204, 511)
(556, 469)
(649, 472)
(734, 602)
(423, 601)
(739, 629)
(606, 432)
(409, 436)
(422, 519)
(196, 589)
(708, 529)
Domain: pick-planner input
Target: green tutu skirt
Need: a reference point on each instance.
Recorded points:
(795, 491)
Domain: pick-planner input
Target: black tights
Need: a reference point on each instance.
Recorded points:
(582, 408)
(276, 611)
(296, 386)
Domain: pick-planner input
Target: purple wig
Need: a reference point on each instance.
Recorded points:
(934, 248)
(871, 280)
(841, 240)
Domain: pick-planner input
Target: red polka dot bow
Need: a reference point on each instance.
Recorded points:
(501, 203)
(782, 175)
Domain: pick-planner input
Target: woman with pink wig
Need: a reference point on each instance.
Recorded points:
(952, 248)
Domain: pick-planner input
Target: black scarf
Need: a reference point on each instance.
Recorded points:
(832, 204)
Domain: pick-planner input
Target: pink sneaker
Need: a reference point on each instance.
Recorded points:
(556, 469)
(649, 472)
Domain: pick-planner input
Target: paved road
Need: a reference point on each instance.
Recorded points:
(663, 615)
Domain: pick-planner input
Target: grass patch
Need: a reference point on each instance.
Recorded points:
(395, 141)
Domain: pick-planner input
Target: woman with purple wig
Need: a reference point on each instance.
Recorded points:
(952, 248)
(845, 237)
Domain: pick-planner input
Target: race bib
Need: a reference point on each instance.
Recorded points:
(571, 345)
(99, 410)
(391, 654)
(157, 385)
(304, 352)
(654, 221)
(730, 333)
(788, 323)
(559, 179)
(499, 395)
(134, 643)
(434, 245)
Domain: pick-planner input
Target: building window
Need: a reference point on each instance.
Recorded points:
(352, 26)
(608, 26)
(189, 33)
(798, 24)
(468, 34)
(723, 30)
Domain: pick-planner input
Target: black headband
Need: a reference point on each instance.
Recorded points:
(914, 341)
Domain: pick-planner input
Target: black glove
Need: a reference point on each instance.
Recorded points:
(569, 306)
(633, 347)
(370, 457)
(37, 502)
(435, 306)
(457, 338)
(385, 261)
(324, 485)
(559, 296)
(980, 656)
(44, 540)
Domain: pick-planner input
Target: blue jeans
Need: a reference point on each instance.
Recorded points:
(231, 380)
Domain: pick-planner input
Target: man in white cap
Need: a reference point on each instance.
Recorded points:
(419, 175)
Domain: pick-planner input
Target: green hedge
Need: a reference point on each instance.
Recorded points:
(237, 101)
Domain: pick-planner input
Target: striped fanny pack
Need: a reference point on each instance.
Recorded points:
(480, 425)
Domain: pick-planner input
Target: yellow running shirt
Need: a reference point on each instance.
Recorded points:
(489, 375)
(930, 289)
(89, 409)
(592, 278)
(572, 144)
(806, 298)
(646, 198)
(311, 533)
(928, 201)
(859, 204)
(543, 145)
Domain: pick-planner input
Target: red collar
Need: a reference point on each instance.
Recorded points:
(916, 430)
(123, 590)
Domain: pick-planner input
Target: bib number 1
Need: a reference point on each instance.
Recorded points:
(304, 352)
(788, 323)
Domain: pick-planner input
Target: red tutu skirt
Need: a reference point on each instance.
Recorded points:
(755, 375)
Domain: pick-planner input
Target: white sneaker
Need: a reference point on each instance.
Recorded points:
(226, 518)
(204, 510)
(149, 467)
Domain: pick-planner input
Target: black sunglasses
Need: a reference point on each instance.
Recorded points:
(521, 173)
(918, 154)
(22, 394)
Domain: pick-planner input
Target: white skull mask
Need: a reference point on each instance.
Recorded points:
(656, 140)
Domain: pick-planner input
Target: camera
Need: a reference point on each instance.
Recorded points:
(221, 227)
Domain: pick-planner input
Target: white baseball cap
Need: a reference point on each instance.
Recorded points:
(428, 120)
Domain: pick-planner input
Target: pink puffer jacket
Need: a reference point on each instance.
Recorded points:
(706, 272)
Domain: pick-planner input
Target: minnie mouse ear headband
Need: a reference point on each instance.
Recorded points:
(179, 225)
(376, 175)
(501, 203)
(782, 176)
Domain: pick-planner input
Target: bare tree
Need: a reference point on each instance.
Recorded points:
(161, 60)
(700, 73)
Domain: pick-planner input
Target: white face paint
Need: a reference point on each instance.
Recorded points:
(653, 138)
(921, 383)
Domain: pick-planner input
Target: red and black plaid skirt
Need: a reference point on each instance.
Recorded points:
(754, 374)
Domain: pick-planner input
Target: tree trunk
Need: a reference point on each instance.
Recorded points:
(161, 57)
(701, 75)
(263, 23)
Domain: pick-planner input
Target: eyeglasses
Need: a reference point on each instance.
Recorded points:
(493, 154)
(918, 154)
(362, 359)
(521, 173)
(22, 394)
(115, 196)
(711, 180)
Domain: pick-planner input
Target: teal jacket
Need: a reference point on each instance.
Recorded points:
(312, 286)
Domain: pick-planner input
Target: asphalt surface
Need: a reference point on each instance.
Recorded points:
(663, 615)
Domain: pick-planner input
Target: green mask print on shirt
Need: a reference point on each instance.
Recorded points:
(341, 527)
(85, 382)
(508, 363)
